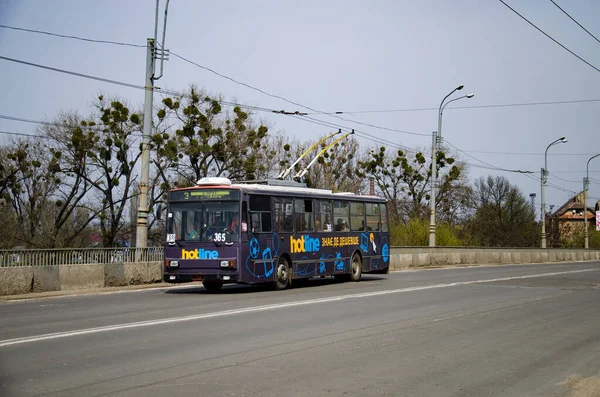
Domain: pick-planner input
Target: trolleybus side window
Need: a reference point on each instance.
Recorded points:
(383, 212)
(357, 216)
(303, 215)
(260, 213)
(323, 218)
(341, 215)
(283, 208)
(372, 216)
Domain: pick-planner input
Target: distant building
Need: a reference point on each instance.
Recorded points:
(568, 220)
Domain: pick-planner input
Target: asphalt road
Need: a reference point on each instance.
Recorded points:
(528, 330)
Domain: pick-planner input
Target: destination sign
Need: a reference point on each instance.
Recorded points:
(204, 194)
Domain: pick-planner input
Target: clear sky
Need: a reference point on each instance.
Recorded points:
(350, 56)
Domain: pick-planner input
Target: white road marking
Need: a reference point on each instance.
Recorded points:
(66, 334)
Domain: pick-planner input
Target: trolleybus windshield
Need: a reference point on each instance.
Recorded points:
(204, 221)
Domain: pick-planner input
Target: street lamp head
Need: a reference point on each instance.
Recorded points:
(564, 140)
(470, 95)
(460, 87)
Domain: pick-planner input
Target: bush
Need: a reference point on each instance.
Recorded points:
(594, 238)
(415, 233)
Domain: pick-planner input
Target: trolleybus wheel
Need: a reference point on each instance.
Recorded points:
(355, 268)
(212, 286)
(283, 276)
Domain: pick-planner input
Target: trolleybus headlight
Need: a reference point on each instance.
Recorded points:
(224, 263)
(174, 264)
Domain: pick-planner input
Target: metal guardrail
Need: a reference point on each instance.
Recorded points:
(78, 256)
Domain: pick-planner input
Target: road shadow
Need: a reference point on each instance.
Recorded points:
(232, 289)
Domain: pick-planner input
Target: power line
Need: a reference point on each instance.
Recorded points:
(245, 85)
(294, 103)
(87, 76)
(558, 187)
(529, 154)
(552, 185)
(550, 37)
(502, 105)
(384, 128)
(384, 141)
(49, 124)
(363, 134)
(20, 134)
(239, 82)
(373, 138)
(572, 172)
(72, 37)
(488, 164)
(294, 114)
(573, 19)
(124, 84)
(193, 63)
(562, 179)
(289, 101)
(315, 121)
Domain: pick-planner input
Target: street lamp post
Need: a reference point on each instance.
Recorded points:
(586, 186)
(544, 179)
(437, 136)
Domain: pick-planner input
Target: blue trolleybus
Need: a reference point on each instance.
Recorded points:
(277, 232)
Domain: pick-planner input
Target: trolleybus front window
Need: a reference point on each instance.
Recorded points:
(204, 222)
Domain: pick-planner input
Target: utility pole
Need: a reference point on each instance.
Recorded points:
(544, 180)
(586, 187)
(141, 240)
(152, 54)
(543, 208)
(586, 238)
(437, 143)
(433, 182)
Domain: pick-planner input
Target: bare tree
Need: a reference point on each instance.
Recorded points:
(405, 181)
(207, 141)
(503, 217)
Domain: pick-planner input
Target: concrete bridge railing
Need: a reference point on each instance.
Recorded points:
(27, 271)
(415, 257)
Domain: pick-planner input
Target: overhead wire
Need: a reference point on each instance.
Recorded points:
(372, 138)
(551, 38)
(20, 134)
(562, 179)
(360, 133)
(573, 19)
(87, 76)
(128, 85)
(467, 107)
(383, 141)
(293, 114)
(51, 124)
(488, 164)
(72, 37)
(289, 101)
(186, 60)
(529, 153)
(267, 93)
